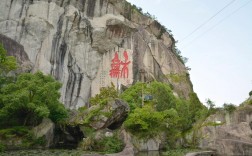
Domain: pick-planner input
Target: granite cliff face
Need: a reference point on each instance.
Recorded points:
(87, 44)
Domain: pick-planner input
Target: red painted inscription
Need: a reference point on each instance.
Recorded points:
(119, 69)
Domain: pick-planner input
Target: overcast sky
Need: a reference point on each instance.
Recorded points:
(219, 52)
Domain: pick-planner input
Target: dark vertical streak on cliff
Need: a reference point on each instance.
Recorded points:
(22, 8)
(135, 61)
(101, 5)
(70, 82)
(83, 5)
(59, 49)
(10, 9)
(74, 83)
(79, 85)
(22, 29)
(91, 8)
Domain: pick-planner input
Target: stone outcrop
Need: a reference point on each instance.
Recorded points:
(129, 149)
(80, 42)
(152, 144)
(67, 136)
(112, 115)
(46, 130)
(13, 48)
(233, 137)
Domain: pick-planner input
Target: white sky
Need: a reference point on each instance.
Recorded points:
(220, 52)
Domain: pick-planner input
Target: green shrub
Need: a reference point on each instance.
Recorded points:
(109, 145)
(18, 131)
(133, 95)
(31, 98)
(146, 122)
(230, 108)
(104, 145)
(2, 147)
(250, 93)
(24, 134)
(162, 95)
(105, 94)
(7, 63)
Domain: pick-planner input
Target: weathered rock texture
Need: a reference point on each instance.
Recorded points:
(231, 138)
(15, 49)
(46, 130)
(76, 40)
(112, 115)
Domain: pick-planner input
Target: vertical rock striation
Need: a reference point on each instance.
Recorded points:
(76, 41)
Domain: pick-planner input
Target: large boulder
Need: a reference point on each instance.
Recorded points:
(68, 136)
(151, 144)
(111, 115)
(129, 149)
(46, 130)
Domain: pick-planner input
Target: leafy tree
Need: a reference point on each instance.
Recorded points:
(7, 63)
(146, 122)
(250, 93)
(185, 121)
(195, 107)
(211, 106)
(133, 95)
(162, 95)
(105, 94)
(31, 98)
(229, 107)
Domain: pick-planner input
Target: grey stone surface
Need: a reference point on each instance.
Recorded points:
(151, 144)
(118, 111)
(231, 138)
(129, 149)
(71, 39)
(46, 130)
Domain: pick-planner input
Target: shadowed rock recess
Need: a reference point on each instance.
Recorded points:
(76, 41)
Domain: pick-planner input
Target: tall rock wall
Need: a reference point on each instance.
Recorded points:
(87, 44)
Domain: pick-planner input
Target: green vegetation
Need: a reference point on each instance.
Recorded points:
(133, 95)
(104, 144)
(250, 93)
(181, 58)
(7, 63)
(109, 145)
(230, 108)
(178, 78)
(146, 122)
(163, 114)
(29, 99)
(2, 147)
(25, 100)
(22, 136)
(105, 94)
(98, 102)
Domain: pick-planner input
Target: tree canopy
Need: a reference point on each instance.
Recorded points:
(7, 63)
(29, 99)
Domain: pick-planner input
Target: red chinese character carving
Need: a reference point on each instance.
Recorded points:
(125, 70)
(115, 67)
